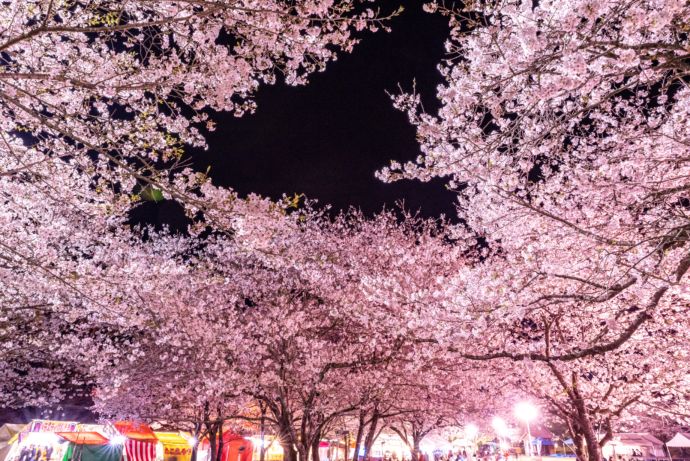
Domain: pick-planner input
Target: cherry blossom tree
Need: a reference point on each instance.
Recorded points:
(99, 100)
(440, 398)
(118, 90)
(563, 129)
(295, 319)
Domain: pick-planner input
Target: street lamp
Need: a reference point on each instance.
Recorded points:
(526, 412)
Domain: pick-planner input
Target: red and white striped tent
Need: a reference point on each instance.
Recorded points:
(137, 450)
(141, 441)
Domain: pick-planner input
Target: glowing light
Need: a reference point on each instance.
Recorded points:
(499, 426)
(471, 431)
(192, 441)
(526, 411)
(118, 440)
(43, 438)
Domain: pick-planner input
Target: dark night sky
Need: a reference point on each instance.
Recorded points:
(328, 138)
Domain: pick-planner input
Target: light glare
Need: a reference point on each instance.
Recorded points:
(499, 425)
(471, 431)
(526, 411)
(118, 440)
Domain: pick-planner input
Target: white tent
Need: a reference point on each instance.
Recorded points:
(636, 445)
(680, 440)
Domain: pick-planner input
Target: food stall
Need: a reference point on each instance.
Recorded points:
(39, 441)
(174, 446)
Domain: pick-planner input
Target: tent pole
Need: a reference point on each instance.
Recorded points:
(669, 452)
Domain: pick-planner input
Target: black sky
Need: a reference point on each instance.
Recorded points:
(328, 138)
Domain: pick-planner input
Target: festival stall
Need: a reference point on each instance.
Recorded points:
(235, 448)
(679, 446)
(91, 446)
(542, 441)
(392, 447)
(174, 446)
(38, 441)
(139, 442)
(273, 448)
(634, 446)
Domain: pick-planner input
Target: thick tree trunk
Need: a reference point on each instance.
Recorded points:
(578, 418)
(593, 451)
(303, 451)
(220, 441)
(212, 441)
(580, 448)
(289, 453)
(415, 450)
(371, 436)
(315, 443)
(585, 423)
(360, 434)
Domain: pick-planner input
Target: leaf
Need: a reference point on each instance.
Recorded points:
(152, 194)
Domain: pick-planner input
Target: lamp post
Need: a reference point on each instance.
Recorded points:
(526, 412)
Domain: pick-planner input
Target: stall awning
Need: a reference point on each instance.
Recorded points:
(640, 439)
(172, 438)
(84, 438)
(136, 431)
(680, 440)
(93, 453)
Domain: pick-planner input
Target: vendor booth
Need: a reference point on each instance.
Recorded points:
(637, 446)
(140, 441)
(679, 446)
(90, 446)
(390, 447)
(235, 448)
(542, 441)
(174, 446)
(273, 449)
(39, 441)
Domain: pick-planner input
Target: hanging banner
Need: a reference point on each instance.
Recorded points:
(46, 425)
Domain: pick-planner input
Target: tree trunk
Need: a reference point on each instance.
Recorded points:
(289, 453)
(360, 434)
(303, 451)
(371, 435)
(212, 440)
(578, 418)
(315, 443)
(220, 441)
(593, 451)
(415, 450)
(585, 423)
(262, 425)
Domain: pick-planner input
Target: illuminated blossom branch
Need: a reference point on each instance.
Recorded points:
(564, 129)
